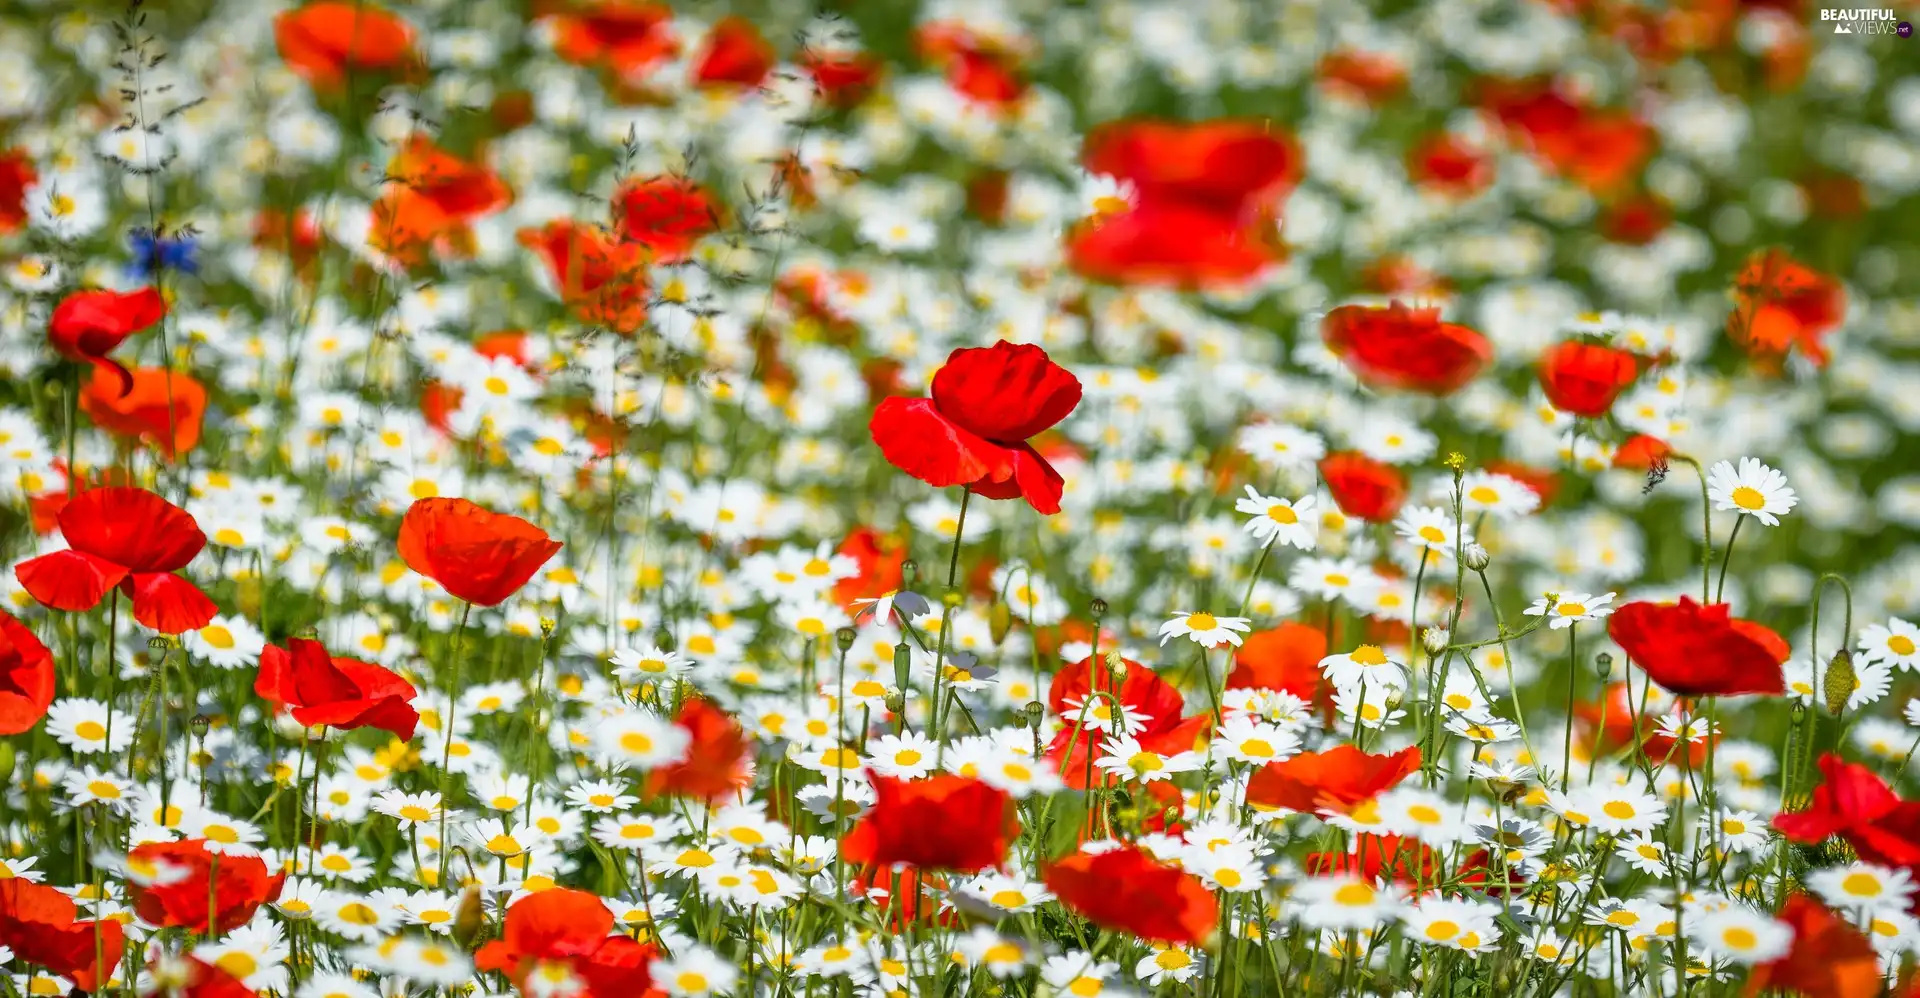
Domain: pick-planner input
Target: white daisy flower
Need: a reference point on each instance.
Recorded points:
(1206, 630)
(1754, 490)
(1279, 520)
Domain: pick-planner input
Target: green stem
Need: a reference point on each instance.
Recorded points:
(446, 752)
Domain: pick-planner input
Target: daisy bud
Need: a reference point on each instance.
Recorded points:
(1841, 682)
(547, 624)
(844, 638)
(1603, 665)
(1117, 667)
(1000, 620)
(1435, 638)
(896, 704)
(1476, 556)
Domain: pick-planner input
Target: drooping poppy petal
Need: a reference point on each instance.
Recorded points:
(1363, 487)
(1858, 806)
(475, 554)
(1337, 779)
(68, 580)
(87, 325)
(717, 754)
(132, 527)
(1006, 393)
(941, 822)
(1128, 890)
(325, 41)
(917, 438)
(1585, 378)
(1694, 650)
(26, 677)
(1033, 479)
(168, 603)
(1405, 348)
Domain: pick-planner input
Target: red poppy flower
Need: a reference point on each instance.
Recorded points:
(1635, 221)
(941, 822)
(843, 78)
(1695, 650)
(475, 554)
(1372, 77)
(1405, 348)
(1339, 779)
(1641, 452)
(337, 692)
(38, 923)
(1858, 806)
(1171, 244)
(1150, 699)
(16, 175)
(86, 325)
(172, 883)
(124, 537)
(1600, 149)
(1285, 658)
(665, 214)
(601, 278)
(881, 557)
(628, 38)
(973, 430)
(716, 762)
(1360, 486)
(434, 197)
(26, 677)
(977, 68)
(734, 53)
(323, 42)
(1829, 959)
(575, 929)
(1585, 378)
(1443, 162)
(1782, 304)
(187, 976)
(1127, 889)
(163, 409)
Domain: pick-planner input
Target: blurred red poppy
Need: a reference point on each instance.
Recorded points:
(1584, 378)
(1600, 149)
(1406, 860)
(1394, 346)
(601, 278)
(188, 976)
(977, 68)
(973, 430)
(475, 554)
(172, 884)
(16, 175)
(1782, 304)
(1127, 889)
(324, 42)
(434, 197)
(1086, 720)
(734, 53)
(843, 78)
(1446, 163)
(1641, 452)
(39, 924)
(26, 677)
(574, 929)
(717, 750)
(1829, 959)
(881, 558)
(1371, 490)
(666, 214)
(163, 408)
(1635, 221)
(941, 822)
(1371, 77)
(1285, 658)
(86, 325)
(124, 537)
(1338, 779)
(1695, 650)
(1858, 806)
(337, 692)
(628, 38)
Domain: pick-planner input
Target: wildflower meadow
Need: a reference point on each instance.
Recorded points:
(924, 498)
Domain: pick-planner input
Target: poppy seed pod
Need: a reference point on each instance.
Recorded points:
(844, 638)
(1603, 665)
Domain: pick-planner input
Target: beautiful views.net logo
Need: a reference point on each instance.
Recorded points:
(1861, 20)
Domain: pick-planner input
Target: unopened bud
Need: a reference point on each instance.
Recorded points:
(471, 917)
(1117, 666)
(902, 664)
(1603, 665)
(547, 624)
(896, 703)
(1000, 621)
(1098, 608)
(844, 638)
(159, 643)
(1841, 681)
(1476, 556)
(953, 598)
(1435, 638)
(908, 569)
(200, 724)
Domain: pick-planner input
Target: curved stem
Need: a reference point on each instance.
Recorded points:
(1706, 525)
(1726, 558)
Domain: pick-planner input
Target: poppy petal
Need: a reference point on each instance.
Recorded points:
(917, 439)
(1006, 392)
(132, 527)
(68, 580)
(168, 603)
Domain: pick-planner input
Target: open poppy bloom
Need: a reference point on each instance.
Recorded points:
(1202, 212)
(1858, 806)
(717, 753)
(26, 677)
(1829, 959)
(38, 923)
(601, 278)
(1600, 149)
(627, 38)
(1339, 779)
(337, 692)
(1127, 889)
(86, 325)
(475, 554)
(734, 53)
(324, 42)
(1696, 650)
(973, 429)
(1286, 658)
(1087, 721)
(1394, 346)
(1781, 304)
(1363, 487)
(434, 196)
(665, 214)
(172, 884)
(124, 537)
(163, 408)
(573, 929)
(941, 822)
(1585, 378)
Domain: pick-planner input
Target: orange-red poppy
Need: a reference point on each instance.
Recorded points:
(603, 279)
(433, 198)
(16, 175)
(573, 929)
(1446, 163)
(628, 38)
(1363, 487)
(325, 42)
(86, 325)
(1338, 779)
(1783, 305)
(665, 214)
(734, 53)
(475, 554)
(1083, 736)
(1286, 658)
(163, 409)
(125, 537)
(40, 925)
(180, 885)
(1394, 346)
(26, 677)
(1696, 650)
(941, 822)
(1855, 804)
(341, 693)
(1584, 378)
(1126, 889)
(717, 756)
(1829, 958)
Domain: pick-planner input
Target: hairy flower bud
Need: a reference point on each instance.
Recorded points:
(1000, 621)
(1840, 683)
(1435, 639)
(471, 918)
(1476, 557)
